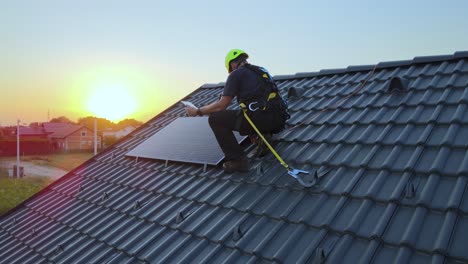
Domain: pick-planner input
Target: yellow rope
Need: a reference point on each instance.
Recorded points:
(266, 142)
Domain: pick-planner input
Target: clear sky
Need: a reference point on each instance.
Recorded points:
(119, 59)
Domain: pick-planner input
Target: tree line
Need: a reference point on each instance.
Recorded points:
(102, 123)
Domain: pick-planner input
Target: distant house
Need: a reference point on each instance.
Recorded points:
(33, 141)
(118, 133)
(66, 137)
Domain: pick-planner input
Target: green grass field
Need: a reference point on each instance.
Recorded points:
(14, 191)
(64, 161)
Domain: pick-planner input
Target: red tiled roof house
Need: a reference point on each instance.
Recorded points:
(69, 137)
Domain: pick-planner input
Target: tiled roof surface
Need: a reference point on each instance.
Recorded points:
(60, 130)
(24, 131)
(391, 188)
(32, 131)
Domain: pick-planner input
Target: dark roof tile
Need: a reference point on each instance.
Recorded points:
(283, 77)
(213, 85)
(432, 59)
(360, 68)
(392, 64)
(460, 55)
(332, 71)
(460, 229)
(306, 74)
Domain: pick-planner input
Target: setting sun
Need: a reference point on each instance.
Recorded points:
(112, 101)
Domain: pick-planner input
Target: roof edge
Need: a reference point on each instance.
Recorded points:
(381, 65)
(212, 85)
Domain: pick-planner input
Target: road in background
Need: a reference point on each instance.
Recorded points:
(31, 169)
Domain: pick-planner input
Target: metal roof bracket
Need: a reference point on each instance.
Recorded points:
(60, 248)
(204, 167)
(260, 170)
(237, 233)
(136, 160)
(137, 205)
(166, 163)
(319, 255)
(179, 217)
(309, 180)
(105, 196)
(33, 232)
(410, 190)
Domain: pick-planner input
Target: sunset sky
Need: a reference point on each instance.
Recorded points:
(133, 59)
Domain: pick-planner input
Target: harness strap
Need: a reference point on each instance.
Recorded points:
(255, 105)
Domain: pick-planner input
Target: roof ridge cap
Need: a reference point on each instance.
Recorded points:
(381, 65)
(212, 85)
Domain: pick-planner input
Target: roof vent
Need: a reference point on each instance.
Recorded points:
(295, 92)
(396, 84)
(237, 233)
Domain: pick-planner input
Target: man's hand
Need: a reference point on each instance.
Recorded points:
(220, 105)
(191, 111)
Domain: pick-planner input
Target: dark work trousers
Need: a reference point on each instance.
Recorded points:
(224, 122)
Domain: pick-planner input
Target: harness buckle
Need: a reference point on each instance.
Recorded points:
(252, 106)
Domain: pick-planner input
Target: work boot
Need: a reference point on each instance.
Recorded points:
(262, 148)
(241, 165)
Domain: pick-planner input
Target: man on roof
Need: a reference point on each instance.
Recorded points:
(258, 95)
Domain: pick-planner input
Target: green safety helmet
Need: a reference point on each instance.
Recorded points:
(232, 55)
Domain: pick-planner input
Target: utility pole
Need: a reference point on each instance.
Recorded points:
(95, 136)
(18, 148)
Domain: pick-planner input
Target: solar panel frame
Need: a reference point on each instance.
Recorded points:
(186, 139)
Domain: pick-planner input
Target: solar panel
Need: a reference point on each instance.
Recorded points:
(186, 139)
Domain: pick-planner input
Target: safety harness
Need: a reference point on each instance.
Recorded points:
(267, 96)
